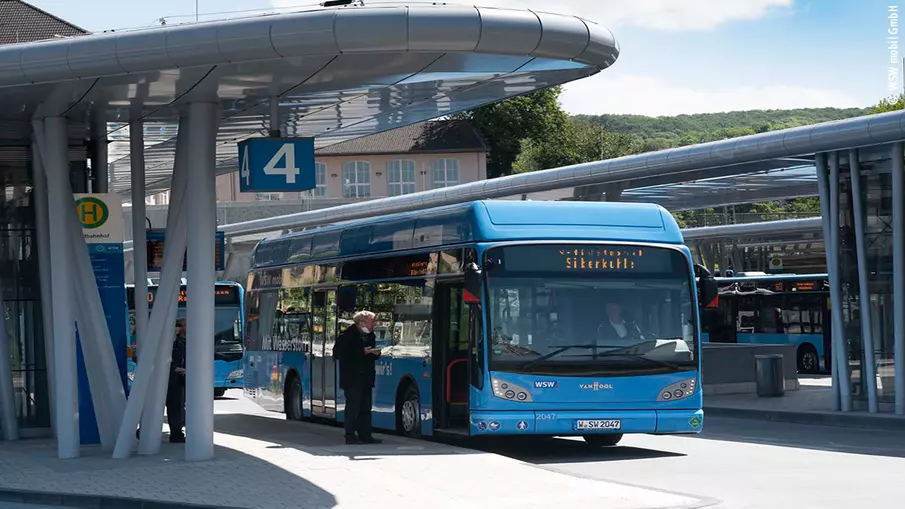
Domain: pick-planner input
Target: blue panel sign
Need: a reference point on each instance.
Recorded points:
(101, 217)
(276, 165)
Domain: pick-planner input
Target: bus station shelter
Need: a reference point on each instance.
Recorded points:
(169, 105)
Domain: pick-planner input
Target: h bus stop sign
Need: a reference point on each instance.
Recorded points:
(276, 165)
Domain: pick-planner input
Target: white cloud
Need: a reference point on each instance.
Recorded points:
(656, 14)
(615, 93)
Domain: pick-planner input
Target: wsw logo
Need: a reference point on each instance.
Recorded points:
(544, 384)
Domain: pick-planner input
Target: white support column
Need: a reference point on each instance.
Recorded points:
(39, 193)
(163, 315)
(139, 234)
(99, 167)
(8, 422)
(869, 371)
(52, 137)
(823, 189)
(147, 396)
(203, 122)
(898, 292)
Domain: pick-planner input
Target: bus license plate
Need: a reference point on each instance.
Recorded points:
(598, 424)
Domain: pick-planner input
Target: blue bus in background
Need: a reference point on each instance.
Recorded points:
(229, 298)
(779, 309)
(493, 318)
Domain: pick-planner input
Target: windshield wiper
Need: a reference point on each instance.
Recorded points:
(655, 362)
(562, 348)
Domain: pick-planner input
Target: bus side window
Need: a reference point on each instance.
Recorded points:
(476, 341)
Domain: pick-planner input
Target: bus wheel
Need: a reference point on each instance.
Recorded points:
(607, 440)
(408, 413)
(808, 362)
(294, 400)
(219, 392)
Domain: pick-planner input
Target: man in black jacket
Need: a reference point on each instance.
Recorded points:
(176, 387)
(355, 350)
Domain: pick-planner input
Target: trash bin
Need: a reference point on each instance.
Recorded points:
(768, 373)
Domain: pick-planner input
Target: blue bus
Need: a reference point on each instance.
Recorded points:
(229, 298)
(493, 318)
(778, 309)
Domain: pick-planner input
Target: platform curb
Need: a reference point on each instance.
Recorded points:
(92, 501)
(861, 420)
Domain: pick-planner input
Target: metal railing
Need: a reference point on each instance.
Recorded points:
(722, 219)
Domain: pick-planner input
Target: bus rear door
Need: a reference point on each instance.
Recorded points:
(323, 369)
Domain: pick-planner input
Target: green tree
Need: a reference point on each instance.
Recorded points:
(578, 142)
(536, 116)
(893, 103)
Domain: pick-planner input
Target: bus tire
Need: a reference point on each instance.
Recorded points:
(408, 412)
(219, 392)
(808, 360)
(606, 440)
(293, 398)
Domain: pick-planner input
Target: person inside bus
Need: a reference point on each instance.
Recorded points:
(175, 402)
(616, 330)
(356, 351)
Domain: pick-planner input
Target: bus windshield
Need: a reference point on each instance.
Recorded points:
(590, 310)
(227, 338)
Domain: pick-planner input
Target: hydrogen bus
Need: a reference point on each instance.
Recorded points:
(493, 317)
(228, 323)
(786, 309)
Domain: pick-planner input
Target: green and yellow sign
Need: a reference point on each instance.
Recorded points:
(93, 212)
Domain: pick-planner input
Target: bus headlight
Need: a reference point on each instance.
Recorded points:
(511, 392)
(239, 373)
(678, 390)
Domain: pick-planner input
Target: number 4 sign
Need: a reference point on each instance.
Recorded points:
(276, 165)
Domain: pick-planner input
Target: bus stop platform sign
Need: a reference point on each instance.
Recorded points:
(276, 165)
(101, 218)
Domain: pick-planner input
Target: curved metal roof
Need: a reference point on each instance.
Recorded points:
(340, 73)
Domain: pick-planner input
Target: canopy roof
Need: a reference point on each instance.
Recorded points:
(339, 73)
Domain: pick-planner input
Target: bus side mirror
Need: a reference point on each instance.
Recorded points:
(473, 279)
(706, 284)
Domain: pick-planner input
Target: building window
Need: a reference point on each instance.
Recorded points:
(445, 172)
(320, 176)
(400, 178)
(357, 179)
(268, 196)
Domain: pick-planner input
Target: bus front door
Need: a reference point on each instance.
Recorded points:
(323, 369)
(451, 356)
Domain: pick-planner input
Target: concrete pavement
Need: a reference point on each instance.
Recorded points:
(264, 461)
(744, 464)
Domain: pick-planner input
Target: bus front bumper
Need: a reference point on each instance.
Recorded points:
(582, 422)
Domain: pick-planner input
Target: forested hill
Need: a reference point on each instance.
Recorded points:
(656, 133)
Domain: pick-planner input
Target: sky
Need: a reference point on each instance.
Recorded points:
(677, 56)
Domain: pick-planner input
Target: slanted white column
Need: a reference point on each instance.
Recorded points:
(42, 225)
(52, 137)
(202, 209)
(858, 212)
(146, 400)
(163, 316)
(139, 235)
(8, 422)
(845, 388)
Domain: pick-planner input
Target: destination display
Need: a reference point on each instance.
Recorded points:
(587, 259)
(156, 241)
(223, 296)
